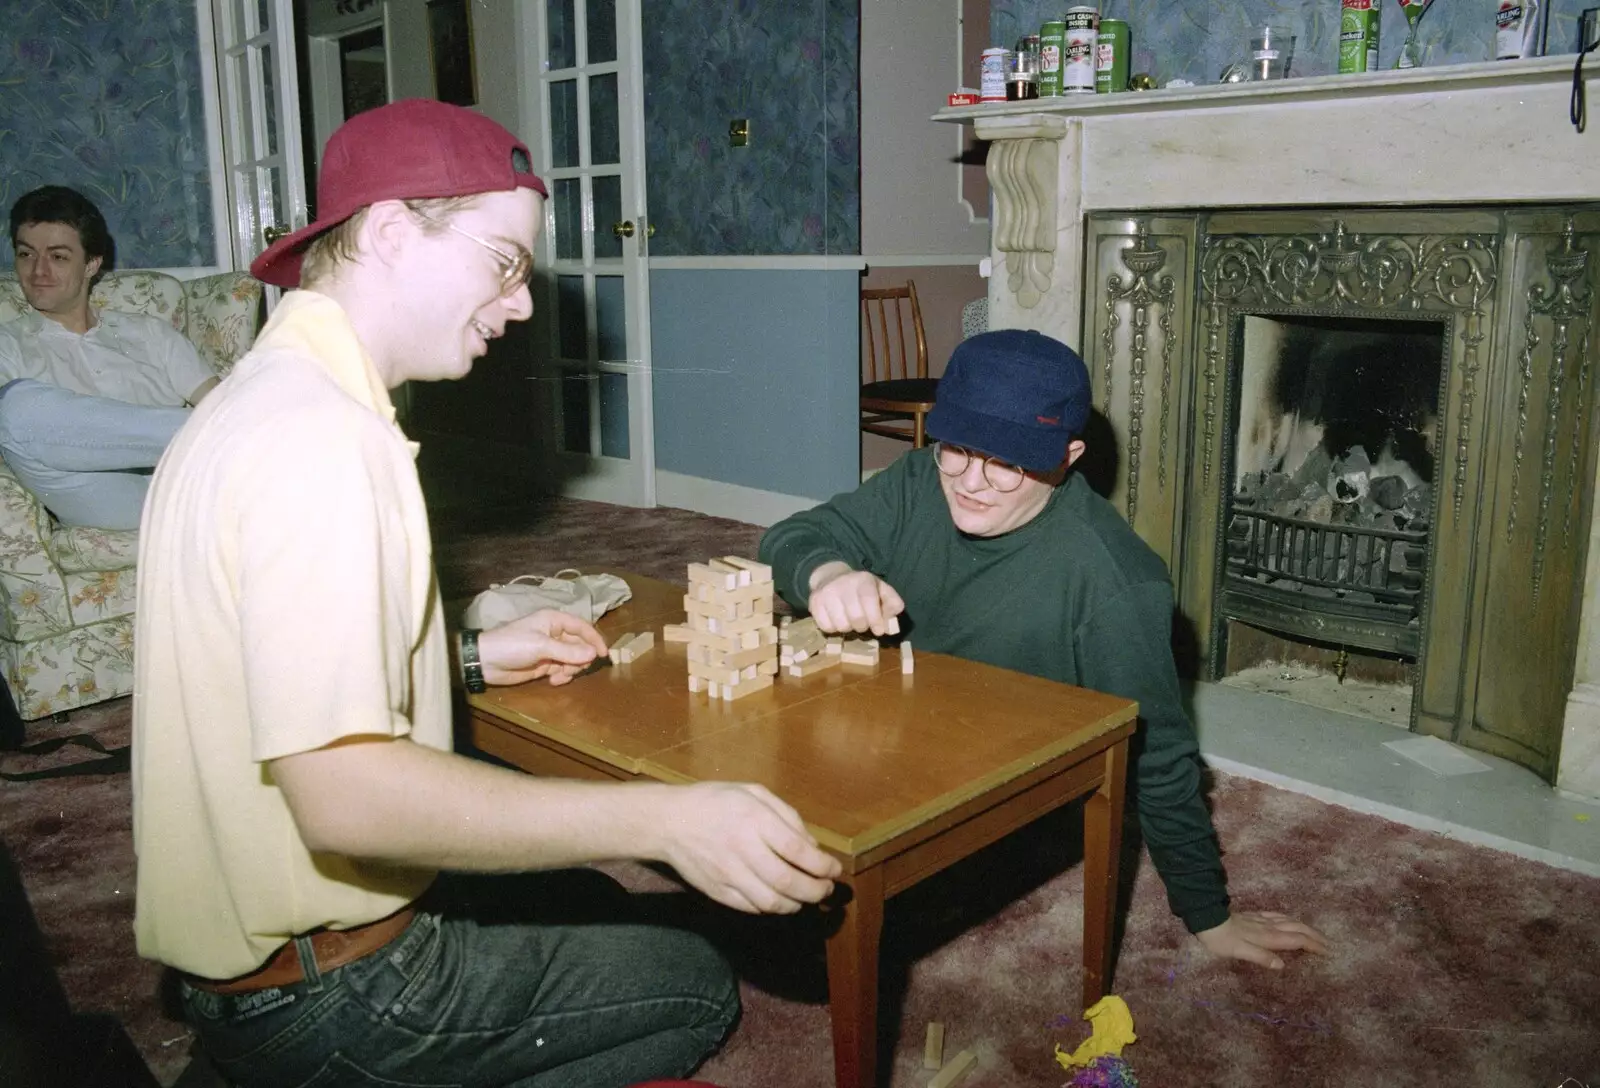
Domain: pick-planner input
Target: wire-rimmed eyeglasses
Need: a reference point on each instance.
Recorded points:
(514, 269)
(1000, 475)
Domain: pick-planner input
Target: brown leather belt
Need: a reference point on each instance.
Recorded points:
(331, 947)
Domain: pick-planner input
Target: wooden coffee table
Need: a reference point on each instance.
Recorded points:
(897, 776)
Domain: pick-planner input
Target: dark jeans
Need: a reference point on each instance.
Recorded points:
(467, 996)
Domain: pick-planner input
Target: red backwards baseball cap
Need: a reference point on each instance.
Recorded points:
(415, 149)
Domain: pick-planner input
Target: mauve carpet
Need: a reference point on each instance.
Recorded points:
(1450, 964)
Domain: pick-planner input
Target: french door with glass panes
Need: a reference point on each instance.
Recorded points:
(259, 102)
(593, 290)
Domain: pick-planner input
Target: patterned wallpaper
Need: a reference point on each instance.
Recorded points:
(1197, 39)
(104, 96)
(790, 68)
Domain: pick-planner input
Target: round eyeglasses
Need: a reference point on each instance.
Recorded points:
(514, 269)
(1000, 475)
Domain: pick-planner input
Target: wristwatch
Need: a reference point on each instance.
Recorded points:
(471, 665)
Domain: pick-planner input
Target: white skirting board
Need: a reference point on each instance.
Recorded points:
(724, 500)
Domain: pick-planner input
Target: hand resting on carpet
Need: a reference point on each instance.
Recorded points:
(1258, 935)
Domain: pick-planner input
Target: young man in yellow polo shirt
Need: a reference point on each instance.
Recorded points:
(294, 791)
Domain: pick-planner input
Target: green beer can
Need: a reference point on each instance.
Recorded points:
(1111, 57)
(1358, 35)
(1052, 43)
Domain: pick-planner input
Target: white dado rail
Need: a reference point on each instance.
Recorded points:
(1456, 135)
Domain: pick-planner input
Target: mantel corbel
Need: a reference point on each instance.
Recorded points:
(1024, 172)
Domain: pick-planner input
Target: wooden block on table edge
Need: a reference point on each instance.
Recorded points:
(951, 1072)
(933, 1049)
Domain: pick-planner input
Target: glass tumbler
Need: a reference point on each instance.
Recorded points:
(1271, 50)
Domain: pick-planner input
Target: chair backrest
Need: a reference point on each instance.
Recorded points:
(893, 344)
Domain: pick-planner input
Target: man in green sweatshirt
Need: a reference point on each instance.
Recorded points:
(986, 546)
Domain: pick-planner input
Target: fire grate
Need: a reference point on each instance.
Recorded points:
(1351, 583)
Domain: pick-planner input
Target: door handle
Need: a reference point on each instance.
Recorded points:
(273, 233)
(623, 229)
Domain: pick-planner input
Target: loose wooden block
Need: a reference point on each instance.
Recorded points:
(893, 625)
(933, 1049)
(620, 643)
(677, 632)
(798, 627)
(908, 664)
(834, 645)
(641, 644)
(859, 652)
(953, 1072)
(695, 683)
(759, 572)
(816, 664)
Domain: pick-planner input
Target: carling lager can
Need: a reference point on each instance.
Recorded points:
(1111, 57)
(1052, 43)
(1358, 36)
(1077, 55)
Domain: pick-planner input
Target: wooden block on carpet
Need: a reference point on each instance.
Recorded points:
(953, 1072)
(933, 1050)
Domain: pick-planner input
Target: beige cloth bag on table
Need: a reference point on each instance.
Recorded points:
(587, 596)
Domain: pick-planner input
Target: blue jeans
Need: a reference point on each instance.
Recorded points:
(86, 458)
(467, 996)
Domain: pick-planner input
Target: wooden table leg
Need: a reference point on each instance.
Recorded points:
(1102, 855)
(853, 982)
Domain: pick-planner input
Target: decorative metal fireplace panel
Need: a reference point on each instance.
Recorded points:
(1478, 583)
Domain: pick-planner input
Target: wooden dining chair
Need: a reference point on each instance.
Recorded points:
(896, 392)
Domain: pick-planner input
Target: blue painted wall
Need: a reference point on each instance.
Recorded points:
(106, 97)
(790, 68)
(1196, 39)
(756, 377)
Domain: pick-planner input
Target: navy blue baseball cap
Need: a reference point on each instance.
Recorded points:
(1014, 394)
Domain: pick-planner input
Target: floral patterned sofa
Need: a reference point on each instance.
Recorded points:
(66, 594)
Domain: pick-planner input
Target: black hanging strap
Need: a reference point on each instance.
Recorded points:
(115, 761)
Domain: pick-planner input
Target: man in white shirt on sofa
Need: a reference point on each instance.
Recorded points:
(90, 397)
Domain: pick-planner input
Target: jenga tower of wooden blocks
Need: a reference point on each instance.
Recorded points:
(732, 641)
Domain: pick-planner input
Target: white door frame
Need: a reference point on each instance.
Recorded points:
(249, 126)
(589, 474)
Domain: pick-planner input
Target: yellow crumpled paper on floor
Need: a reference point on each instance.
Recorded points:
(1113, 1030)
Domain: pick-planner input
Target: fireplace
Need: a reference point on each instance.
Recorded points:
(1227, 257)
(1331, 481)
